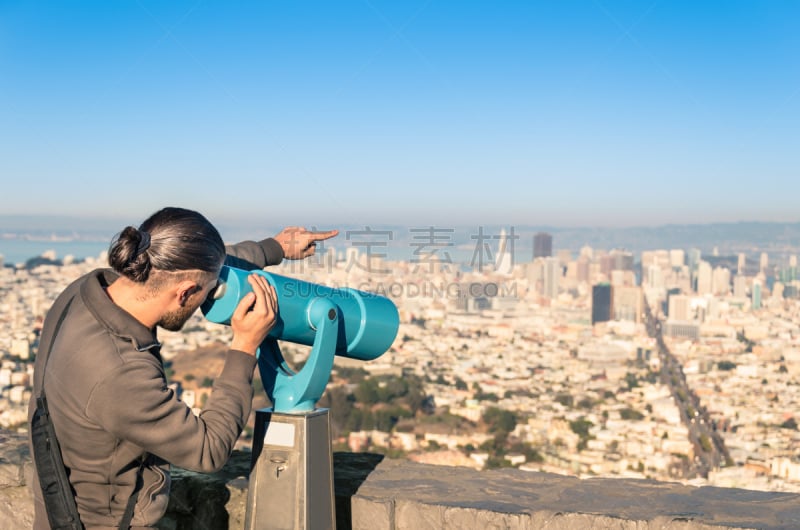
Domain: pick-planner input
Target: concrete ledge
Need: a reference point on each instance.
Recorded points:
(374, 493)
(399, 495)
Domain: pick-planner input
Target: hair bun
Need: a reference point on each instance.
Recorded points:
(144, 242)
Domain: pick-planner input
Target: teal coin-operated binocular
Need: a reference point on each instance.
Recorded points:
(291, 479)
(334, 321)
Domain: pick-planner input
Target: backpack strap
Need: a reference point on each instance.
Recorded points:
(125, 524)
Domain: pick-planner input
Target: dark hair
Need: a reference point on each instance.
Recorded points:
(172, 239)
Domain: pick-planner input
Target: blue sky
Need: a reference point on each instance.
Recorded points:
(565, 113)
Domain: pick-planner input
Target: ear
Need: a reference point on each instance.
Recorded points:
(185, 289)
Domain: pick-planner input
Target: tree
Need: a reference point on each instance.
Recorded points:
(367, 392)
(499, 420)
(418, 401)
(341, 405)
(726, 366)
(630, 414)
(565, 399)
(581, 427)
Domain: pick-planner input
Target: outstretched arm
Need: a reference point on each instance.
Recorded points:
(293, 242)
(299, 243)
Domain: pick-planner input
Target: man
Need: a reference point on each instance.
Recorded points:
(118, 424)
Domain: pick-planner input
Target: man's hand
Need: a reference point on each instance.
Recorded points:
(299, 243)
(255, 315)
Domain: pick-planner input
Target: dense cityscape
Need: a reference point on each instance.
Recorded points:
(671, 364)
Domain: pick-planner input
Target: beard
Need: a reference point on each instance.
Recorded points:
(174, 320)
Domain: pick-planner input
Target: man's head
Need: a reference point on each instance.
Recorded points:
(174, 258)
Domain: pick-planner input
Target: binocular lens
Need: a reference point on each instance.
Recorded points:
(217, 292)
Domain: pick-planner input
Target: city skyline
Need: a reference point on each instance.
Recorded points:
(588, 114)
(684, 373)
(25, 237)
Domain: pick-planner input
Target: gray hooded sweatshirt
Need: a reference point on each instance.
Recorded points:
(109, 402)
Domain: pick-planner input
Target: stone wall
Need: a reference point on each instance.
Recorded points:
(373, 493)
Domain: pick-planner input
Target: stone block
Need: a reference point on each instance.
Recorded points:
(458, 518)
(415, 515)
(369, 514)
(373, 493)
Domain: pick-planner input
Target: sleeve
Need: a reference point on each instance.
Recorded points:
(250, 255)
(135, 404)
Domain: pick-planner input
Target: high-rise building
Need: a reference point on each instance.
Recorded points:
(504, 263)
(583, 269)
(777, 290)
(721, 281)
(680, 308)
(704, 278)
(542, 245)
(655, 276)
(740, 286)
(552, 277)
(535, 275)
(756, 294)
(694, 258)
(606, 263)
(673, 291)
(602, 309)
(677, 258)
(623, 260)
(564, 256)
(741, 265)
(763, 263)
(628, 303)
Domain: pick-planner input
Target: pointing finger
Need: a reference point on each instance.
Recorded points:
(322, 235)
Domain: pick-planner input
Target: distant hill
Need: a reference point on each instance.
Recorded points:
(202, 362)
(207, 362)
(729, 238)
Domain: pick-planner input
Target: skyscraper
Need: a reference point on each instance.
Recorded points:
(601, 303)
(740, 286)
(628, 303)
(583, 266)
(504, 263)
(704, 278)
(542, 245)
(622, 260)
(756, 294)
(677, 258)
(694, 258)
(721, 281)
(552, 276)
(680, 308)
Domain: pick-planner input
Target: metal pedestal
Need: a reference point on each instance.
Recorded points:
(291, 477)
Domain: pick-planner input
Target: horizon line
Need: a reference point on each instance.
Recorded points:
(249, 219)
